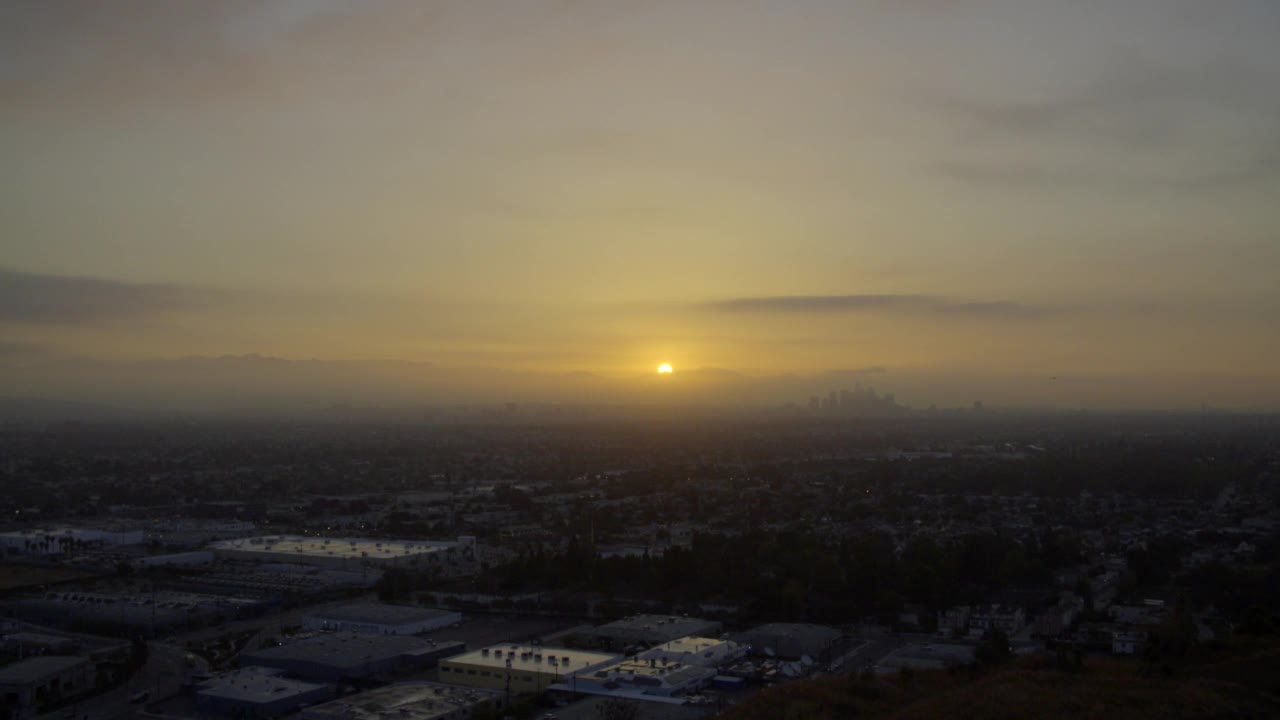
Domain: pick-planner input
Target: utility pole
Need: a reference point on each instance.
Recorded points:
(507, 700)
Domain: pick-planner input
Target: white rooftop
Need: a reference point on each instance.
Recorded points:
(533, 657)
(697, 650)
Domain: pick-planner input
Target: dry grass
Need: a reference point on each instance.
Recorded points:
(1240, 685)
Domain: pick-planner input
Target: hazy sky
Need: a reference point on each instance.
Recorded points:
(1024, 186)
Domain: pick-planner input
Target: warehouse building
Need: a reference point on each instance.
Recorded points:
(337, 657)
(198, 558)
(519, 668)
(26, 644)
(700, 651)
(37, 684)
(257, 692)
(340, 553)
(64, 540)
(409, 701)
(791, 640)
(649, 631)
(128, 612)
(381, 619)
(927, 656)
(638, 678)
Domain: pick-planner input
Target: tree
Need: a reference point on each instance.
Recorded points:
(618, 709)
(395, 584)
(994, 648)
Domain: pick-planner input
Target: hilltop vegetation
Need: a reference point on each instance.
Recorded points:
(1241, 683)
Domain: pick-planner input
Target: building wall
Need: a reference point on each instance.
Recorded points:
(40, 692)
(644, 677)
(522, 680)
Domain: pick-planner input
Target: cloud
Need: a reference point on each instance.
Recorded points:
(1124, 102)
(11, 351)
(830, 304)
(1167, 127)
(67, 300)
(1263, 167)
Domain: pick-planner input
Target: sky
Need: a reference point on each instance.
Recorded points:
(963, 190)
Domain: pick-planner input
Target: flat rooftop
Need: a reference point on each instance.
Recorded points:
(657, 671)
(348, 650)
(380, 613)
(333, 547)
(256, 685)
(31, 637)
(533, 657)
(804, 631)
(404, 701)
(38, 668)
(694, 645)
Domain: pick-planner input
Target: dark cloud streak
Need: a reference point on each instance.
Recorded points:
(833, 304)
(1141, 109)
(67, 300)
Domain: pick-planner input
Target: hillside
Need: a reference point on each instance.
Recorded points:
(1238, 685)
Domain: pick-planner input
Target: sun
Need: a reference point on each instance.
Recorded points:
(664, 369)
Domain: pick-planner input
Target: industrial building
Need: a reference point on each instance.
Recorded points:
(277, 579)
(791, 640)
(637, 678)
(335, 657)
(381, 619)
(129, 612)
(61, 540)
(409, 701)
(257, 692)
(519, 668)
(700, 651)
(930, 656)
(34, 685)
(197, 558)
(26, 644)
(649, 630)
(340, 553)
